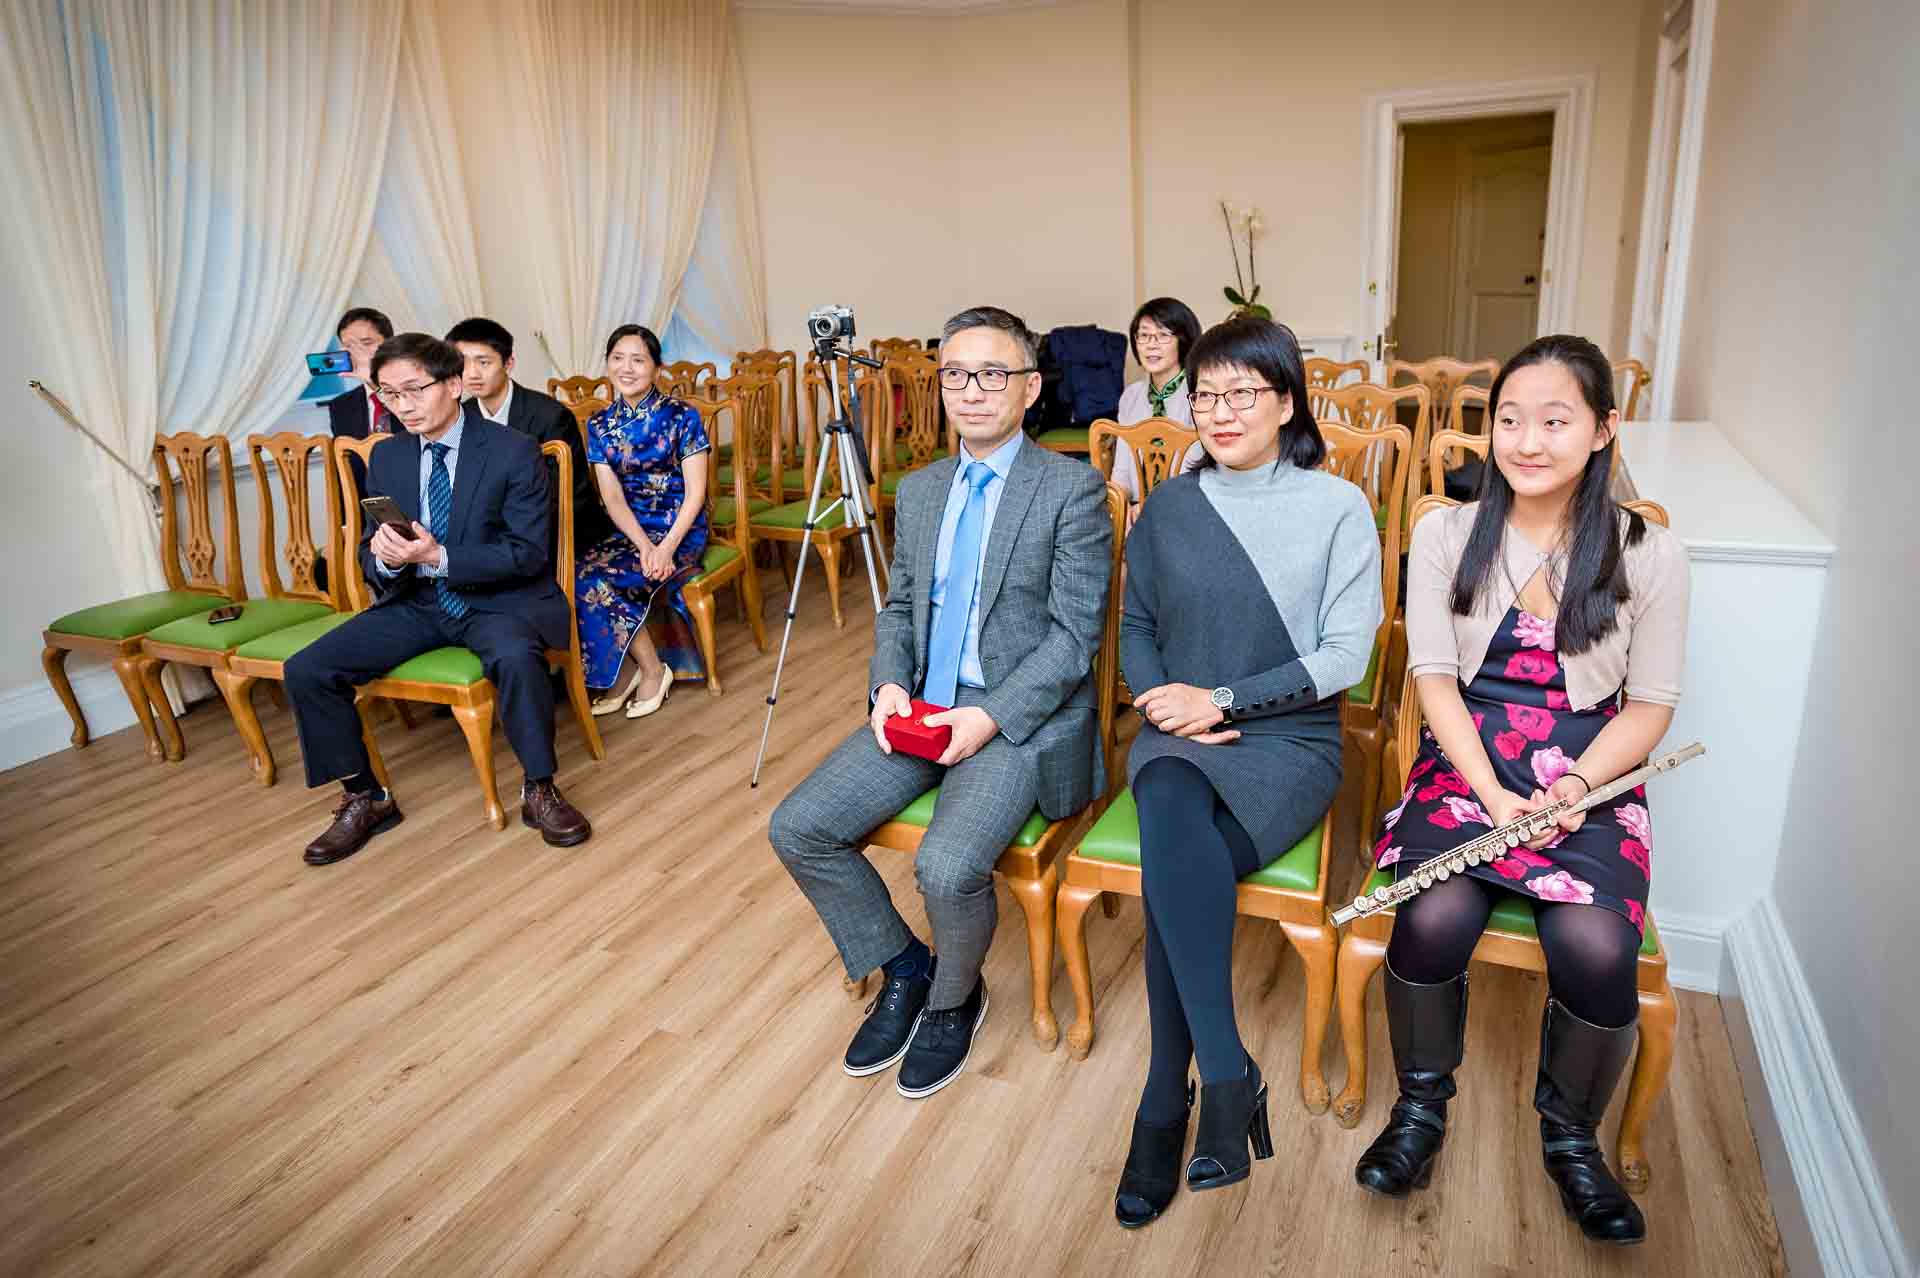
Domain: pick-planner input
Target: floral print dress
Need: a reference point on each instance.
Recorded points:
(1519, 704)
(644, 444)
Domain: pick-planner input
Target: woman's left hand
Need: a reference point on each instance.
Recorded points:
(1570, 788)
(656, 560)
(1179, 708)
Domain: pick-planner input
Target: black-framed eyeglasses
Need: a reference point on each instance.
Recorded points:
(1239, 399)
(990, 379)
(394, 396)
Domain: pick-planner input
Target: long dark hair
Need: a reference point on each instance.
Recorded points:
(1171, 314)
(1269, 349)
(1595, 584)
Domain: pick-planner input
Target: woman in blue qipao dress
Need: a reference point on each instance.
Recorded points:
(648, 453)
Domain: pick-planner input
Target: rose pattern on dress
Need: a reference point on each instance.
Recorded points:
(1563, 887)
(1510, 744)
(1638, 914)
(1536, 723)
(1467, 810)
(1557, 700)
(1444, 784)
(1635, 820)
(1393, 817)
(1549, 765)
(1637, 852)
(1533, 632)
(1534, 667)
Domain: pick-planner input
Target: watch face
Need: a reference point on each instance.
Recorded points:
(1223, 697)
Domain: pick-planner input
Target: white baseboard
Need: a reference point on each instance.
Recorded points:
(1829, 1200)
(1693, 944)
(33, 723)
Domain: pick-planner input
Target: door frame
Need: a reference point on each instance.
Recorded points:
(1570, 101)
(1686, 25)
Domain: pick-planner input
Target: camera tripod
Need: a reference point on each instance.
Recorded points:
(842, 441)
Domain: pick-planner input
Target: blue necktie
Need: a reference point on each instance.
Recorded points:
(956, 606)
(439, 509)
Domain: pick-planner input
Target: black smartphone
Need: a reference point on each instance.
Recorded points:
(229, 613)
(385, 510)
(328, 363)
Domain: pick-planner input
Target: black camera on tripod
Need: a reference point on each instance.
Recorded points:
(830, 324)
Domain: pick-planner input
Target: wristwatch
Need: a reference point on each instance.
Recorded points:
(1223, 699)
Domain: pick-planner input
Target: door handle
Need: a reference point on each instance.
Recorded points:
(1531, 279)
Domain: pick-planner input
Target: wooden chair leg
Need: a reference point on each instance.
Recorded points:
(1317, 945)
(700, 604)
(176, 744)
(375, 760)
(582, 702)
(277, 694)
(237, 691)
(476, 721)
(1036, 898)
(1070, 910)
(128, 669)
(1360, 957)
(830, 569)
(1658, 1015)
(754, 606)
(1110, 905)
(54, 661)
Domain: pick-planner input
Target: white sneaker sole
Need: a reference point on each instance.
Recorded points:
(892, 1060)
(986, 1001)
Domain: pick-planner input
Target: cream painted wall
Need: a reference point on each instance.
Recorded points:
(909, 167)
(1429, 191)
(1799, 328)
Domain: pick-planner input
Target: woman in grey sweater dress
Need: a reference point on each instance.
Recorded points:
(1252, 599)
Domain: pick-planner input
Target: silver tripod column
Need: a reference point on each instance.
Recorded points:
(841, 440)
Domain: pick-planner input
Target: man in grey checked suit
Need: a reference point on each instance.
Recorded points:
(999, 583)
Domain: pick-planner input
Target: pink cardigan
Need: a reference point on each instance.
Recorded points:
(1646, 650)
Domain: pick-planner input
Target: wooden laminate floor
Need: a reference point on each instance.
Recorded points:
(463, 1052)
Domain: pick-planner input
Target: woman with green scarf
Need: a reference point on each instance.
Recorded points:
(1162, 332)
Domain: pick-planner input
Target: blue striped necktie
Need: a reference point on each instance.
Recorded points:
(439, 509)
(949, 639)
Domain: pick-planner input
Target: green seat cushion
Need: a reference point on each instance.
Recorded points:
(1514, 914)
(455, 666)
(282, 644)
(890, 481)
(126, 618)
(1064, 437)
(792, 477)
(718, 555)
(257, 617)
(903, 455)
(793, 516)
(920, 813)
(1380, 518)
(1115, 837)
(1362, 692)
(723, 512)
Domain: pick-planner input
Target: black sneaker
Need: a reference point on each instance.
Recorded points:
(891, 1020)
(940, 1049)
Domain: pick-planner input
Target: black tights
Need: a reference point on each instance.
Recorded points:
(1592, 952)
(1193, 853)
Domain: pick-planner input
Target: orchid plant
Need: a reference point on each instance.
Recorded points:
(1244, 292)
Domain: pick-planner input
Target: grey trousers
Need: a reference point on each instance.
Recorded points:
(819, 829)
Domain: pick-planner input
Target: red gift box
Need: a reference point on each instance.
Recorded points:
(910, 734)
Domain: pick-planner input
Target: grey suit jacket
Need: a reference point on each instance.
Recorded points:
(1043, 594)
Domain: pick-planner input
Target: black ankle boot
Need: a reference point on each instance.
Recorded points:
(1152, 1173)
(1233, 1115)
(1429, 1028)
(1580, 1064)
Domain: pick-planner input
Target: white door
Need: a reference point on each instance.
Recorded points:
(1502, 238)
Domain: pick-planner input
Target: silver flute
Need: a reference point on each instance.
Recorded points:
(1495, 843)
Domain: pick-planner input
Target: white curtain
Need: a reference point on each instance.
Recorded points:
(421, 264)
(723, 295)
(196, 182)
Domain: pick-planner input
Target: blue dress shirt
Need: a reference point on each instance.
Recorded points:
(452, 440)
(1000, 461)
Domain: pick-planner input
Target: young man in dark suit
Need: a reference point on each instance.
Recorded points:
(356, 413)
(471, 569)
(492, 394)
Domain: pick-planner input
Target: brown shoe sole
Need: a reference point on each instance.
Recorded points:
(379, 827)
(554, 840)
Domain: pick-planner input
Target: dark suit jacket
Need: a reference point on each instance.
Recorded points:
(347, 414)
(543, 419)
(1043, 596)
(497, 532)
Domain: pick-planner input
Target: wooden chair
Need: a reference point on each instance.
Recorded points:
(1510, 941)
(785, 522)
(1031, 865)
(758, 395)
(195, 641)
(1630, 378)
(1325, 374)
(452, 676)
(1364, 406)
(1376, 461)
(583, 396)
(1159, 446)
(1291, 890)
(882, 347)
(113, 631)
(1440, 375)
(683, 378)
(729, 555)
(1465, 396)
(784, 367)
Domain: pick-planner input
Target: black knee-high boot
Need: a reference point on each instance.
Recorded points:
(1580, 1065)
(1429, 1028)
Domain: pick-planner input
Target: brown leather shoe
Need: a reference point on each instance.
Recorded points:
(544, 808)
(357, 818)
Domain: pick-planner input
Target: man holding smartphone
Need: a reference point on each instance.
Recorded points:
(471, 569)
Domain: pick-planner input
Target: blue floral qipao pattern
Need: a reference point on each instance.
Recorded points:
(644, 444)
